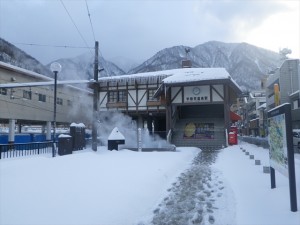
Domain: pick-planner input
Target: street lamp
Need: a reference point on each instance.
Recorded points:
(55, 68)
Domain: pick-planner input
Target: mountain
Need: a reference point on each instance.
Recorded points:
(82, 67)
(247, 64)
(12, 55)
(77, 68)
(124, 63)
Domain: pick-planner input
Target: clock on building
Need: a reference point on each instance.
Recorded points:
(196, 90)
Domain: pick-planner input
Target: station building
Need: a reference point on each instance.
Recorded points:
(188, 106)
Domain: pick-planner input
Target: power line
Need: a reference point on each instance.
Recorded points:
(74, 23)
(87, 7)
(54, 46)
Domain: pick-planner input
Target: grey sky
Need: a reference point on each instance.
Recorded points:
(138, 29)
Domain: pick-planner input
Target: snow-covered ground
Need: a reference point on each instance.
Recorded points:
(126, 187)
(254, 202)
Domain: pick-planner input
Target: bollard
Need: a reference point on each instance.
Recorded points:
(266, 169)
(257, 162)
(251, 156)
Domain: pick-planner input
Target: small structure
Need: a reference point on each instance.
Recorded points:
(64, 144)
(77, 131)
(115, 139)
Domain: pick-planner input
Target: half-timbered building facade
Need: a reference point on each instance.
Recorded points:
(192, 105)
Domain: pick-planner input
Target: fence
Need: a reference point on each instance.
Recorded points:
(262, 142)
(24, 149)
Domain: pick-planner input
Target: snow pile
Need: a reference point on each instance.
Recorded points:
(104, 187)
(254, 201)
(139, 188)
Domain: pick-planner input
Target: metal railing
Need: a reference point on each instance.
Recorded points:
(24, 149)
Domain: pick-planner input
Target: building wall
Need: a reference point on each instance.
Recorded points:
(288, 78)
(137, 99)
(72, 102)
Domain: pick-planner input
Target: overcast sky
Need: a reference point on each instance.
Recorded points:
(137, 29)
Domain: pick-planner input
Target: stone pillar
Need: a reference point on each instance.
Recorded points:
(11, 127)
(48, 131)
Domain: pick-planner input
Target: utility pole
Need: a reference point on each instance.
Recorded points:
(95, 99)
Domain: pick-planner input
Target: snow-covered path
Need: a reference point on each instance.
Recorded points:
(192, 199)
(226, 187)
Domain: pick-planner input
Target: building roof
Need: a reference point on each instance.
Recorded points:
(24, 71)
(196, 74)
(175, 77)
(44, 80)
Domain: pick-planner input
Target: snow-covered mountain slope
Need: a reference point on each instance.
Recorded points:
(77, 68)
(246, 63)
(126, 64)
(82, 67)
(12, 55)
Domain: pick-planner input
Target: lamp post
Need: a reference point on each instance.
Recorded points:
(55, 68)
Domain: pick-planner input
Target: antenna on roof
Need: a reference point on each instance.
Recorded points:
(187, 50)
(186, 63)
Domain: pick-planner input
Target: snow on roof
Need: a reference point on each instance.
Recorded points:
(64, 136)
(262, 106)
(116, 135)
(294, 93)
(24, 71)
(47, 80)
(138, 75)
(77, 125)
(180, 75)
(197, 74)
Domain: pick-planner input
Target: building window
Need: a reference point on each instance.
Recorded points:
(117, 96)
(122, 96)
(69, 102)
(151, 93)
(3, 91)
(42, 98)
(27, 94)
(112, 96)
(59, 101)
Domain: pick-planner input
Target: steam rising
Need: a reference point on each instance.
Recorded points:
(128, 127)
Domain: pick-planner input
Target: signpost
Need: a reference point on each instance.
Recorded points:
(281, 148)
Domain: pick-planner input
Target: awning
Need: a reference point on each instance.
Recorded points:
(234, 117)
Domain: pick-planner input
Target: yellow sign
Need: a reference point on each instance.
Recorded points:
(276, 95)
